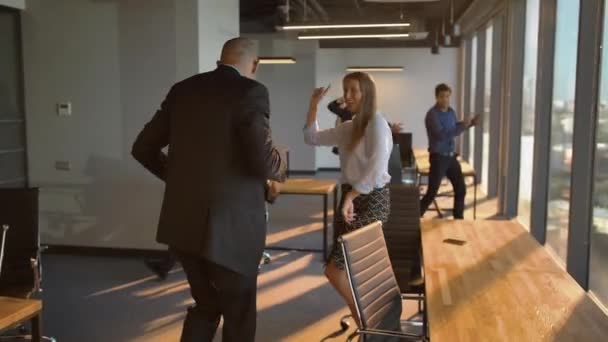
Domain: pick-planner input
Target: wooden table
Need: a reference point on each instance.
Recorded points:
(14, 311)
(314, 187)
(424, 169)
(501, 286)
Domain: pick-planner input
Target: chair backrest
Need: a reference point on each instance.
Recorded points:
(402, 233)
(405, 148)
(19, 210)
(374, 288)
(395, 168)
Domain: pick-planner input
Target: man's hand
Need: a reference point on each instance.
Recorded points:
(272, 190)
(476, 120)
(396, 127)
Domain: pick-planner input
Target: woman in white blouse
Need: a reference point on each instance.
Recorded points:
(365, 144)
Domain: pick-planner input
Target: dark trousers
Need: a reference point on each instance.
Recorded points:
(218, 292)
(445, 166)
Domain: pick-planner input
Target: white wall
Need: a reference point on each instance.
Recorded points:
(18, 4)
(218, 21)
(403, 96)
(114, 61)
(290, 87)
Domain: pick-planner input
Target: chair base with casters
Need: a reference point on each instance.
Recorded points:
(344, 324)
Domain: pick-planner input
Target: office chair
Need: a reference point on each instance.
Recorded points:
(374, 287)
(403, 241)
(21, 270)
(402, 230)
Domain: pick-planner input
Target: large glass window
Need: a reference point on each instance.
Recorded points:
(472, 99)
(562, 124)
(528, 112)
(487, 97)
(598, 275)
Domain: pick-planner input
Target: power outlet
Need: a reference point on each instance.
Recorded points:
(64, 109)
(63, 165)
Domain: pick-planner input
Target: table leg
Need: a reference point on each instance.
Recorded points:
(325, 226)
(475, 198)
(333, 227)
(437, 208)
(335, 200)
(36, 328)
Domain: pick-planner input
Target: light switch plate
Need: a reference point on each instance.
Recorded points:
(64, 109)
(63, 165)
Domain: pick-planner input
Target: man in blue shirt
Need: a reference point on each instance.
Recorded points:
(442, 128)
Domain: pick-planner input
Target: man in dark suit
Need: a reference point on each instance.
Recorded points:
(221, 154)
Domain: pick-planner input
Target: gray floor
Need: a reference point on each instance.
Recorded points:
(116, 299)
(112, 299)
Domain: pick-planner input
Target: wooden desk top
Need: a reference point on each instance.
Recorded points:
(15, 310)
(501, 286)
(308, 186)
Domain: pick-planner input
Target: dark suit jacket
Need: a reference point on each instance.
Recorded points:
(220, 155)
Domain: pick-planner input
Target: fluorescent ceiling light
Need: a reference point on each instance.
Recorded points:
(356, 36)
(277, 60)
(316, 27)
(374, 68)
(400, 0)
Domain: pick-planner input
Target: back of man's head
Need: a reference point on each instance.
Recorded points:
(241, 53)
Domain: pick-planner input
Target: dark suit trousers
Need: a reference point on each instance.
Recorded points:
(218, 292)
(442, 166)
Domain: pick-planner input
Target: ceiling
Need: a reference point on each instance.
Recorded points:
(258, 16)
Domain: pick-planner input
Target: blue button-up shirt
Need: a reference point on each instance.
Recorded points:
(442, 128)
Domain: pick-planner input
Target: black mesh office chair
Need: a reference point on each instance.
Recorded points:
(402, 234)
(21, 271)
(374, 288)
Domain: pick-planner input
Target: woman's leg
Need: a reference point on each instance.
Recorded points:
(338, 279)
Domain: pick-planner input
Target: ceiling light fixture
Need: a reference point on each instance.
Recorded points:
(454, 26)
(374, 68)
(447, 39)
(276, 60)
(320, 27)
(355, 36)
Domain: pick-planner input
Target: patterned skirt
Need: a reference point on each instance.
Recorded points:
(369, 208)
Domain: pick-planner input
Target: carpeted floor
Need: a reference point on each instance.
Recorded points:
(90, 299)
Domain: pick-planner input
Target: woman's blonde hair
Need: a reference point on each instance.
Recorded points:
(367, 108)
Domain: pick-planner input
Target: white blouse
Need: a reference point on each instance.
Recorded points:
(366, 167)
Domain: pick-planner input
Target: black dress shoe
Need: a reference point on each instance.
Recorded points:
(159, 268)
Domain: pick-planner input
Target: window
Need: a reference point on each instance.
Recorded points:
(528, 112)
(598, 273)
(562, 124)
(13, 172)
(487, 98)
(472, 99)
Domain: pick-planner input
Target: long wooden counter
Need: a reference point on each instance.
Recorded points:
(501, 285)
